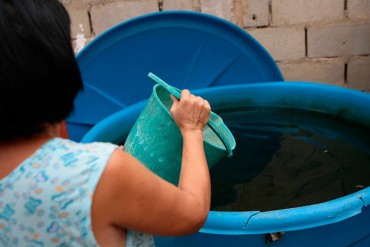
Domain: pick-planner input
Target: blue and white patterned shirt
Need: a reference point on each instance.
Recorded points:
(46, 200)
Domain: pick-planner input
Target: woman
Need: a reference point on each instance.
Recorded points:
(56, 192)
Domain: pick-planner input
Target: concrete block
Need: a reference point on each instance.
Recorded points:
(358, 73)
(328, 71)
(303, 11)
(178, 5)
(283, 43)
(255, 13)
(104, 16)
(85, 1)
(358, 9)
(78, 44)
(80, 24)
(338, 40)
(220, 8)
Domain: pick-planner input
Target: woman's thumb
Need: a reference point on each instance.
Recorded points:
(174, 99)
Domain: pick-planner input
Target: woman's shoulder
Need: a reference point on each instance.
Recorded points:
(68, 145)
(71, 152)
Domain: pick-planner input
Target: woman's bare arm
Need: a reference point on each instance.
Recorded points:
(130, 196)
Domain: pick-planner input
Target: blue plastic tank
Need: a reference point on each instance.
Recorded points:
(340, 222)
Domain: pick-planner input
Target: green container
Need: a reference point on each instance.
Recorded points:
(156, 140)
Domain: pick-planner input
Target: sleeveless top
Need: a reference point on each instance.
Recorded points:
(46, 200)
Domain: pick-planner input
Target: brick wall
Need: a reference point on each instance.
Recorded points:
(323, 41)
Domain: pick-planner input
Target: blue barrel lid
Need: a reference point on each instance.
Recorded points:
(190, 49)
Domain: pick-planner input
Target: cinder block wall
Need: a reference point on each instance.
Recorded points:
(323, 41)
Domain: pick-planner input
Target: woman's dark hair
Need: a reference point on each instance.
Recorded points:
(39, 75)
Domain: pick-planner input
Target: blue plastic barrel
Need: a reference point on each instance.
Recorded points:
(343, 221)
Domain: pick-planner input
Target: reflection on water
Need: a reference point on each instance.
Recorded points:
(289, 158)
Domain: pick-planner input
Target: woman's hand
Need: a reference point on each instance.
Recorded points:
(191, 112)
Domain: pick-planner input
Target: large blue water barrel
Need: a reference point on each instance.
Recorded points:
(341, 221)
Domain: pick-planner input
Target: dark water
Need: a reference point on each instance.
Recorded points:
(289, 158)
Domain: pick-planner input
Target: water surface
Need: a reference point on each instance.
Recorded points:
(289, 158)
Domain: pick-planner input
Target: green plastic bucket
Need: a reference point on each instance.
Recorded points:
(156, 140)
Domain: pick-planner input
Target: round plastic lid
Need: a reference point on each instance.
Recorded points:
(188, 49)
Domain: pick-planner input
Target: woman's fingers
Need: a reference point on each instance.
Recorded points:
(191, 112)
(205, 113)
(174, 99)
(185, 94)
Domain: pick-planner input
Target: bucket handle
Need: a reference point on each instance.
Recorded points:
(211, 123)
